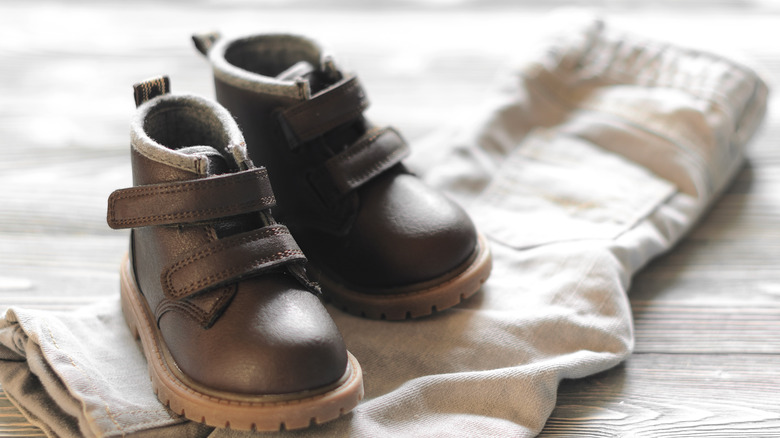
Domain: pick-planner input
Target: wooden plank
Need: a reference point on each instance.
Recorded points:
(654, 395)
(13, 423)
(650, 395)
(50, 271)
(694, 327)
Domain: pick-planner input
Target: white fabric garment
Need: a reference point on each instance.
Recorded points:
(599, 155)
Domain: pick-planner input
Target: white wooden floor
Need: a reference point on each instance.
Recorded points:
(707, 315)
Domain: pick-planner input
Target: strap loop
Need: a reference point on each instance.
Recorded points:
(204, 41)
(374, 153)
(230, 259)
(326, 110)
(190, 201)
(151, 88)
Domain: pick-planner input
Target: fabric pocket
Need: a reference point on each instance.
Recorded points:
(555, 188)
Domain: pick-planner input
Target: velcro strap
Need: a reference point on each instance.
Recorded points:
(375, 152)
(190, 201)
(326, 110)
(230, 259)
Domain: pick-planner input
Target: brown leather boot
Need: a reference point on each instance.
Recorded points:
(233, 331)
(384, 244)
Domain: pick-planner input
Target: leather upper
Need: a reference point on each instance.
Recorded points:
(273, 338)
(358, 214)
(223, 279)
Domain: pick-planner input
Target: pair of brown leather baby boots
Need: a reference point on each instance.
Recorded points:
(221, 291)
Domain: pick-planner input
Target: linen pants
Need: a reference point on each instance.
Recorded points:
(597, 155)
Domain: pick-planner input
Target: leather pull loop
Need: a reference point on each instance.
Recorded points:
(151, 88)
(326, 110)
(190, 201)
(204, 41)
(374, 153)
(230, 259)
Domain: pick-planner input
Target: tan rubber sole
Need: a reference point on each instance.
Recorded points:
(413, 303)
(230, 410)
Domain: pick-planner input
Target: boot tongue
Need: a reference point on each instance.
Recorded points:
(217, 164)
(298, 70)
(304, 70)
(340, 137)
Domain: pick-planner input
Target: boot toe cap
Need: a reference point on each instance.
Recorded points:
(272, 339)
(409, 233)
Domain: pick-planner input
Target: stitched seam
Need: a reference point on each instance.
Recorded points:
(187, 308)
(137, 411)
(261, 234)
(183, 186)
(256, 263)
(359, 147)
(217, 304)
(92, 383)
(186, 186)
(211, 233)
(316, 130)
(266, 232)
(379, 165)
(134, 192)
(255, 203)
(325, 98)
(192, 310)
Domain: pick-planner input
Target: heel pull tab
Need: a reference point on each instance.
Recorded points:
(204, 41)
(151, 88)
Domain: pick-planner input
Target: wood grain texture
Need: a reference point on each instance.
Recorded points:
(654, 395)
(707, 314)
(13, 423)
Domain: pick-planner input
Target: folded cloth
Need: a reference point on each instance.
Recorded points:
(81, 374)
(601, 153)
